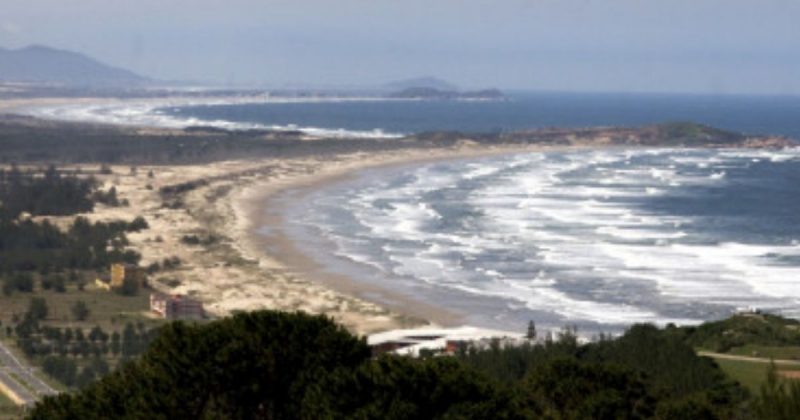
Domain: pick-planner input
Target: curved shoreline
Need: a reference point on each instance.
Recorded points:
(261, 212)
(227, 202)
(403, 299)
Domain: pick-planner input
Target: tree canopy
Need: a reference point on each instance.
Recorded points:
(275, 365)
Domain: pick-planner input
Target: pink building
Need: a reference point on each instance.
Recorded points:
(176, 306)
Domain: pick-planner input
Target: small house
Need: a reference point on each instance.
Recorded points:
(176, 306)
(120, 273)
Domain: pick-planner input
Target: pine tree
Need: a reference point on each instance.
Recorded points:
(531, 334)
(80, 311)
(37, 309)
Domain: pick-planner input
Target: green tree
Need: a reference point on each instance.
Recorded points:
(404, 388)
(59, 285)
(531, 333)
(22, 282)
(778, 399)
(130, 341)
(80, 311)
(129, 287)
(100, 366)
(567, 388)
(139, 223)
(97, 334)
(60, 368)
(257, 365)
(695, 408)
(115, 343)
(86, 377)
(37, 308)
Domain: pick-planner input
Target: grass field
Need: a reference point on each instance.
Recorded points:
(750, 374)
(107, 309)
(772, 352)
(12, 347)
(9, 410)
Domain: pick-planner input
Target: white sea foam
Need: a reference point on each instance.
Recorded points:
(546, 235)
(150, 113)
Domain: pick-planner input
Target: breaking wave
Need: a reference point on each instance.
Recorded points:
(159, 113)
(600, 239)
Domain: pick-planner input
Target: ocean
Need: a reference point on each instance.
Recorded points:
(373, 117)
(749, 114)
(598, 239)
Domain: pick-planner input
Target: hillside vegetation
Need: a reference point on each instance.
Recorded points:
(279, 366)
(751, 330)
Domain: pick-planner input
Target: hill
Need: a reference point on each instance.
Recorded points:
(40, 64)
(748, 331)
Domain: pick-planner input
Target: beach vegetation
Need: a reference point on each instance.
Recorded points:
(44, 193)
(27, 246)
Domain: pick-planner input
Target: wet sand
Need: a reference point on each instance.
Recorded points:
(264, 210)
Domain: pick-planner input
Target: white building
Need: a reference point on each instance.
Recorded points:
(439, 340)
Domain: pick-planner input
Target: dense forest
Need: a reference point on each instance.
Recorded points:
(50, 194)
(27, 245)
(660, 361)
(285, 366)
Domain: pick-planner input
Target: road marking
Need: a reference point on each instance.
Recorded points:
(18, 380)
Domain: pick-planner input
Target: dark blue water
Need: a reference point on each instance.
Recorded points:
(748, 114)
(600, 239)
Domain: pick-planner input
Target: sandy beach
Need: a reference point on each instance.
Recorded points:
(237, 268)
(260, 206)
(219, 225)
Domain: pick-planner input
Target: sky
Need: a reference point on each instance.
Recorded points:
(673, 46)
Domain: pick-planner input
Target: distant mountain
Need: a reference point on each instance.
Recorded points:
(41, 64)
(422, 82)
(430, 93)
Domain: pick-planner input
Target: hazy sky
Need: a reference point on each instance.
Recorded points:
(717, 46)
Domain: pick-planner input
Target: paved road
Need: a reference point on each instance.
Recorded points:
(749, 358)
(20, 391)
(10, 364)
